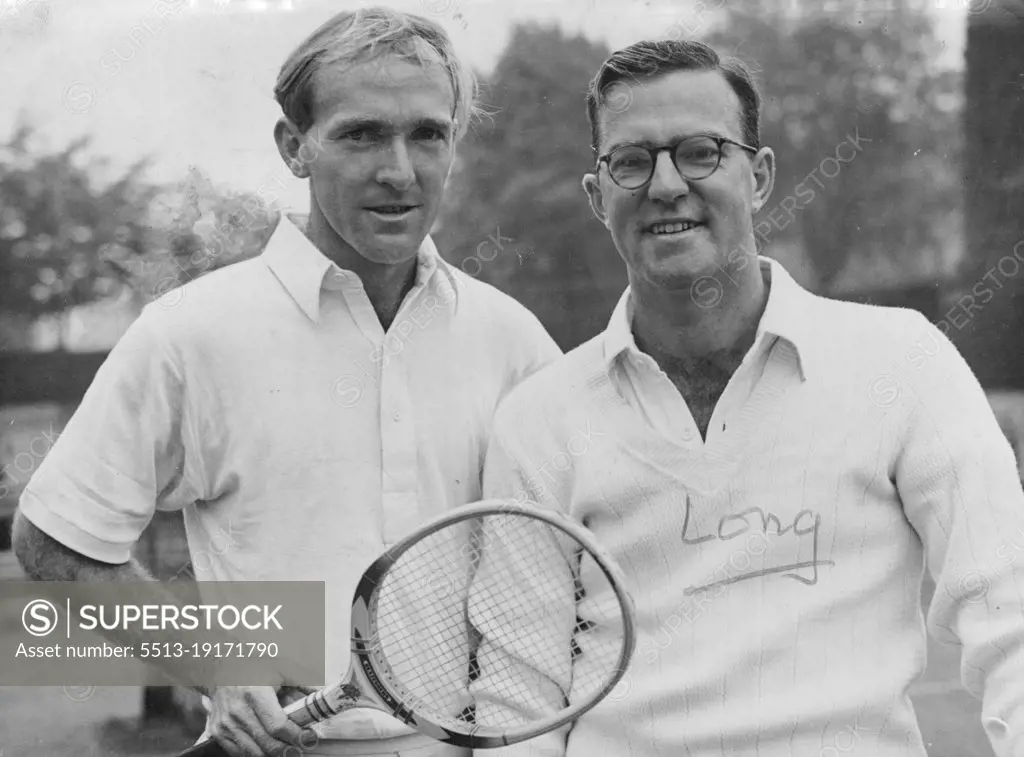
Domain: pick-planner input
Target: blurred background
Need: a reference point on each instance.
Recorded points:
(136, 155)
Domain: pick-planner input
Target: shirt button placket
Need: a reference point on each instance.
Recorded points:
(398, 453)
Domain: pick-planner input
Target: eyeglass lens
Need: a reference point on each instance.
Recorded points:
(695, 158)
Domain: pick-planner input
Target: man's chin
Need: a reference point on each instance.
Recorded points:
(387, 249)
(680, 271)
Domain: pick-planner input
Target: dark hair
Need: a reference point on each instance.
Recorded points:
(650, 59)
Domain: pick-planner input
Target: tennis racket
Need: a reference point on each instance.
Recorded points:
(490, 625)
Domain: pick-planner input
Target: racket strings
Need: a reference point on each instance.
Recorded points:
(420, 624)
(480, 628)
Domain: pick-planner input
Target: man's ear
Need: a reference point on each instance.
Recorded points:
(592, 186)
(289, 144)
(762, 177)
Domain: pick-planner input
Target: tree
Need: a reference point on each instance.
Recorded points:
(827, 78)
(53, 219)
(200, 228)
(863, 121)
(989, 328)
(67, 241)
(518, 178)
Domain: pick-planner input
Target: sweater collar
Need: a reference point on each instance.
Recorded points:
(786, 316)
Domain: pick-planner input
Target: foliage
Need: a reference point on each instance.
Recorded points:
(67, 242)
(825, 79)
(201, 229)
(829, 77)
(516, 214)
(989, 333)
(53, 219)
(519, 173)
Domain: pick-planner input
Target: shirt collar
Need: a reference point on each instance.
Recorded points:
(785, 316)
(302, 268)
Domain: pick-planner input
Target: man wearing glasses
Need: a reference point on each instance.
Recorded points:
(772, 469)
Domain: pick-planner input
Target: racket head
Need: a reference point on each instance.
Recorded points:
(454, 626)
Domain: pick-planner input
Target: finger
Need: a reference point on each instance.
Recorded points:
(256, 740)
(227, 740)
(281, 727)
(248, 747)
(307, 741)
(233, 728)
(269, 725)
(248, 735)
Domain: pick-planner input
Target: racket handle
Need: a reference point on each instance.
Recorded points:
(209, 748)
(303, 712)
(318, 706)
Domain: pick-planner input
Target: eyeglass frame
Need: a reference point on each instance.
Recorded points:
(655, 153)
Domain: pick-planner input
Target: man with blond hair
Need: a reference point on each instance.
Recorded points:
(319, 401)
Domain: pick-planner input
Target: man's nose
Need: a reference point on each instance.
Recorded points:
(396, 167)
(667, 184)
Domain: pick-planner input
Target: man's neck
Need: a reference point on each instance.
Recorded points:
(385, 285)
(673, 328)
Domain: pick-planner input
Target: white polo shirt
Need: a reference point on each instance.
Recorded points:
(266, 402)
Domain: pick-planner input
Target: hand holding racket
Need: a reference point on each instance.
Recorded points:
(490, 625)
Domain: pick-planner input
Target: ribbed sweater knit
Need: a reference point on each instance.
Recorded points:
(777, 573)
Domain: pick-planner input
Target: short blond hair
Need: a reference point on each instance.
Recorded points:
(365, 34)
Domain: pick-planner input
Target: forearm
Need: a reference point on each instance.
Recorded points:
(43, 558)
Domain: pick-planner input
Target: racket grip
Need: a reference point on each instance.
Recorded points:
(298, 712)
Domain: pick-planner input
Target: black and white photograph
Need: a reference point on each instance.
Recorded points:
(523, 378)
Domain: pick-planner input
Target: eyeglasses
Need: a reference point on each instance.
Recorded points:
(632, 166)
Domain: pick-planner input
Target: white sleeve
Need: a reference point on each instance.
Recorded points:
(125, 453)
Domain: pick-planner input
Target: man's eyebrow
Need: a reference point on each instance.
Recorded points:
(361, 122)
(444, 125)
(670, 141)
(373, 122)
